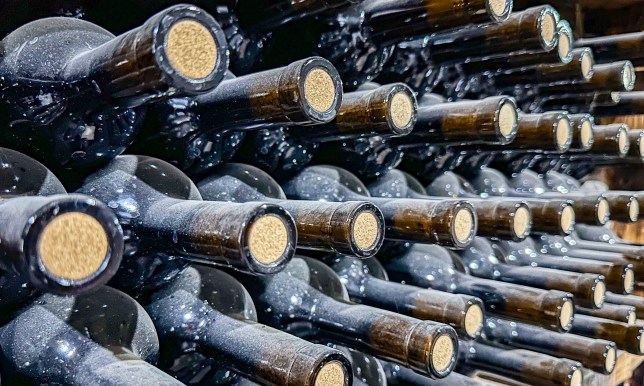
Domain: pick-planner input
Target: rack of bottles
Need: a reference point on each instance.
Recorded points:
(319, 193)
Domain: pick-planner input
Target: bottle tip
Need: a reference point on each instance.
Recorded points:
(464, 225)
(587, 64)
(564, 45)
(567, 219)
(191, 49)
(548, 28)
(507, 119)
(586, 135)
(599, 294)
(633, 209)
(443, 353)
(576, 379)
(522, 222)
(563, 134)
(366, 230)
(499, 8)
(628, 76)
(632, 317)
(603, 211)
(610, 359)
(622, 140)
(473, 320)
(566, 314)
(73, 247)
(332, 373)
(319, 90)
(629, 281)
(268, 239)
(401, 109)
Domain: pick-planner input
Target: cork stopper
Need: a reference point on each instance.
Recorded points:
(463, 225)
(365, 231)
(442, 353)
(566, 314)
(564, 46)
(577, 378)
(642, 342)
(498, 7)
(567, 219)
(633, 209)
(191, 49)
(267, 239)
(611, 358)
(401, 109)
(586, 64)
(331, 374)
(507, 119)
(548, 28)
(622, 141)
(640, 144)
(586, 134)
(600, 294)
(632, 318)
(629, 281)
(319, 90)
(473, 320)
(563, 133)
(628, 76)
(521, 222)
(73, 246)
(603, 211)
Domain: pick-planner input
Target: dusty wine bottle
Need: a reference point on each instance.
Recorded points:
(163, 211)
(616, 76)
(610, 48)
(354, 227)
(490, 120)
(522, 365)
(427, 347)
(74, 341)
(367, 283)
(624, 206)
(596, 354)
(191, 311)
(550, 131)
(431, 266)
(448, 222)
(629, 103)
(583, 126)
(629, 338)
(617, 312)
(630, 300)
(611, 139)
(62, 109)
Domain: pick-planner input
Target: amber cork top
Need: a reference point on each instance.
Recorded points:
(521, 223)
(507, 119)
(365, 232)
(463, 225)
(442, 353)
(191, 49)
(319, 90)
(473, 320)
(401, 109)
(267, 239)
(331, 374)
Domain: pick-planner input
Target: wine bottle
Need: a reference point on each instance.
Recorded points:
(629, 338)
(499, 218)
(401, 376)
(360, 38)
(610, 48)
(190, 311)
(197, 133)
(583, 132)
(636, 148)
(449, 222)
(74, 341)
(427, 347)
(596, 354)
(630, 300)
(83, 105)
(162, 211)
(617, 312)
(490, 120)
(616, 76)
(611, 139)
(483, 262)
(550, 131)
(366, 282)
(618, 278)
(522, 365)
(354, 227)
(610, 242)
(624, 206)
(431, 266)
(630, 103)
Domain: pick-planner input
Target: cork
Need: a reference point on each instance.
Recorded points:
(331, 374)
(622, 141)
(566, 314)
(629, 281)
(521, 222)
(609, 361)
(498, 7)
(567, 219)
(586, 134)
(632, 318)
(577, 378)
(401, 109)
(640, 143)
(267, 239)
(586, 65)
(633, 209)
(564, 46)
(473, 320)
(191, 49)
(365, 230)
(463, 225)
(563, 133)
(628, 76)
(603, 211)
(548, 28)
(507, 119)
(319, 90)
(599, 294)
(73, 246)
(442, 353)
(642, 342)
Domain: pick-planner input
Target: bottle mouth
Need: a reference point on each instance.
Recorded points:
(191, 49)
(628, 76)
(566, 314)
(507, 119)
(522, 222)
(473, 320)
(603, 211)
(548, 28)
(640, 145)
(623, 143)
(577, 378)
(586, 135)
(269, 241)
(587, 64)
(599, 294)
(366, 231)
(332, 373)
(402, 109)
(633, 209)
(443, 353)
(567, 219)
(463, 225)
(632, 317)
(499, 9)
(564, 43)
(610, 358)
(629, 281)
(563, 134)
(320, 89)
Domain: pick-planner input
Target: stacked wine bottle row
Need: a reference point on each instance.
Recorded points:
(317, 193)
